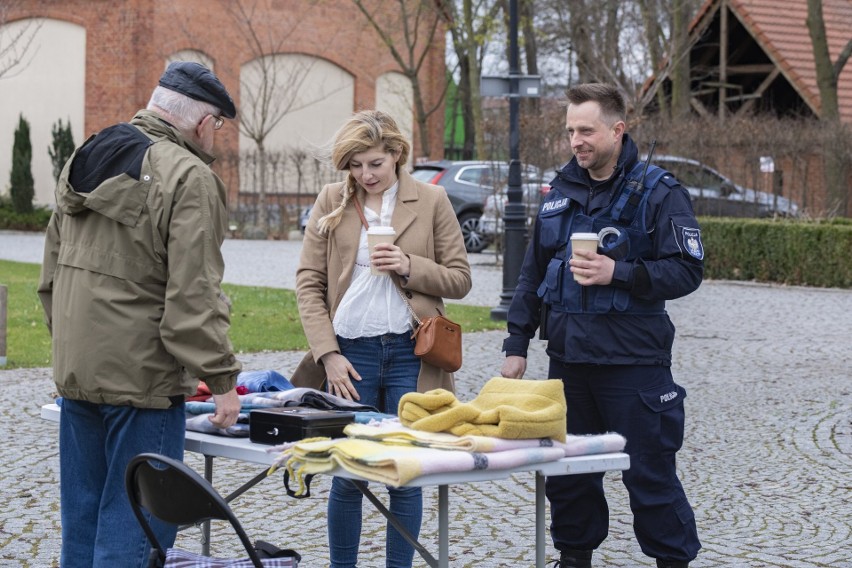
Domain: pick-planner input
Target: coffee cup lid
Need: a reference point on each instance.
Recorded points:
(585, 236)
(381, 231)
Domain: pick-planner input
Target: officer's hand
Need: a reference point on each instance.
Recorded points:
(514, 367)
(339, 373)
(596, 269)
(227, 409)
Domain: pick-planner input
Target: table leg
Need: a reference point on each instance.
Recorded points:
(205, 526)
(539, 520)
(443, 526)
(430, 560)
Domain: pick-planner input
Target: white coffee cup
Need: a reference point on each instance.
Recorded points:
(584, 241)
(376, 235)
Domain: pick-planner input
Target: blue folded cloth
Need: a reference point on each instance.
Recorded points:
(263, 381)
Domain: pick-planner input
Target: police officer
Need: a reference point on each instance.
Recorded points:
(609, 336)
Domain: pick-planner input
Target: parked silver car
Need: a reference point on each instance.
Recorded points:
(469, 185)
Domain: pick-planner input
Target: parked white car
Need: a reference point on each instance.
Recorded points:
(491, 222)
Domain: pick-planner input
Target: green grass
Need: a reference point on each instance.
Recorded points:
(262, 319)
(27, 339)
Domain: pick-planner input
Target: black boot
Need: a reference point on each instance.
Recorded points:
(575, 559)
(671, 564)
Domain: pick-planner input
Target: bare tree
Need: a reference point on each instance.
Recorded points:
(410, 35)
(270, 91)
(471, 24)
(16, 42)
(828, 72)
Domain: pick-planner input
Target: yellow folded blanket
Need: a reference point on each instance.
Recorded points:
(397, 465)
(504, 408)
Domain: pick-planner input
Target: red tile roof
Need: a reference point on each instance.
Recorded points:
(779, 27)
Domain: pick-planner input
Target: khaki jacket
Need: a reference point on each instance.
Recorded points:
(427, 231)
(132, 269)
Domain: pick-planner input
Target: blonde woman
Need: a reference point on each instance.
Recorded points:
(358, 327)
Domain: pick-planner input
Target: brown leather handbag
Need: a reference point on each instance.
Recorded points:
(438, 341)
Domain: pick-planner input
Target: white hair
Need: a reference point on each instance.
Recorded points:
(184, 113)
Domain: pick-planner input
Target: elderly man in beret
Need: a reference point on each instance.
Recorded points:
(131, 289)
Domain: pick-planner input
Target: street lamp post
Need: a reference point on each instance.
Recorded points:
(514, 215)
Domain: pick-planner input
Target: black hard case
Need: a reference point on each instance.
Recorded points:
(291, 424)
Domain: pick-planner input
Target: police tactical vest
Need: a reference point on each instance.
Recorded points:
(626, 214)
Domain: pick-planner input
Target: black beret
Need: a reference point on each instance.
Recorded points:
(198, 82)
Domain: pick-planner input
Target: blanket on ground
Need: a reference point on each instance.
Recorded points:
(397, 465)
(504, 408)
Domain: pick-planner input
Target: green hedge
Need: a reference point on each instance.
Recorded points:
(806, 253)
(10, 220)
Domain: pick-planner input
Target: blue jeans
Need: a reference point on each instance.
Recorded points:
(388, 368)
(96, 442)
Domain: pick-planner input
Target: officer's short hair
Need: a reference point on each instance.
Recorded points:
(606, 95)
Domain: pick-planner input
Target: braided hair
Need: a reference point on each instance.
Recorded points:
(366, 130)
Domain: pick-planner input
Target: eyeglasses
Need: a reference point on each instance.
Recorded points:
(219, 122)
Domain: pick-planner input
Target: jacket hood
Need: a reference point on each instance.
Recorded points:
(107, 173)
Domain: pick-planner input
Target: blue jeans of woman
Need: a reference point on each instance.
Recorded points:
(96, 441)
(388, 368)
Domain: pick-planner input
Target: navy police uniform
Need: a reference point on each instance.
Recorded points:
(611, 345)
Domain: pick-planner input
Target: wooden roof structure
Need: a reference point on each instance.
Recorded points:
(757, 56)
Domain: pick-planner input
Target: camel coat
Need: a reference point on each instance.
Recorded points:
(426, 230)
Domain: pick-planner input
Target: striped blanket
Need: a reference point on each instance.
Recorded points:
(398, 465)
(393, 432)
(393, 454)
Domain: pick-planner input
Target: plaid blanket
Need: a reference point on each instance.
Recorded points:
(393, 432)
(397, 465)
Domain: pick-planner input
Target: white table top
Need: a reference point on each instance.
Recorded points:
(245, 450)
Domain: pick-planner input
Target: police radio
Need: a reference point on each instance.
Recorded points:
(631, 196)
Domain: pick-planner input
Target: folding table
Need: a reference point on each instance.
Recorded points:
(242, 449)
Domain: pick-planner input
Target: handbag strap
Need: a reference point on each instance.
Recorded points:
(410, 309)
(360, 213)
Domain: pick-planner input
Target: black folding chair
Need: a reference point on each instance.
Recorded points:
(174, 493)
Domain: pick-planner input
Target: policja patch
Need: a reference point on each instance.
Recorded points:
(691, 242)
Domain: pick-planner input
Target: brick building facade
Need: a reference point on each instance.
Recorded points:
(128, 42)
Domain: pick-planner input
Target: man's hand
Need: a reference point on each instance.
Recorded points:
(227, 409)
(339, 373)
(514, 367)
(596, 269)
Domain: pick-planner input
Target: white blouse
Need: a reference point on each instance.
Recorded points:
(372, 305)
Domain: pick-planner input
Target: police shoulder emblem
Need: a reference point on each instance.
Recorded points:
(691, 240)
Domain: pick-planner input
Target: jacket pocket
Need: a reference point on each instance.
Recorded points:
(550, 290)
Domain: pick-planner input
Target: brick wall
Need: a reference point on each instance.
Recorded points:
(128, 41)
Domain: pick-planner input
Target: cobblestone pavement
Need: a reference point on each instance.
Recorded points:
(767, 461)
